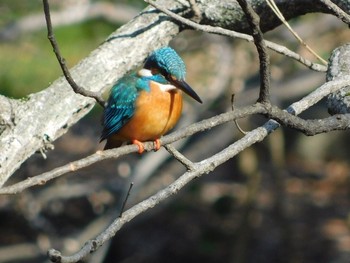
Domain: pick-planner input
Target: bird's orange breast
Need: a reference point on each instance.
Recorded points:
(156, 113)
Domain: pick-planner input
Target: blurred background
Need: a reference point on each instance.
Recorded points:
(286, 199)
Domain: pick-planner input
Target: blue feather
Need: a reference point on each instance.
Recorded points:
(167, 61)
(121, 102)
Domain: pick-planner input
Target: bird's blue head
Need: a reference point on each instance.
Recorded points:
(169, 64)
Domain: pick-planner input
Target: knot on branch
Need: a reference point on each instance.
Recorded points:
(339, 66)
(54, 255)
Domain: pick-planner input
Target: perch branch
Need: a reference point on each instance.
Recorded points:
(202, 167)
(117, 152)
(336, 122)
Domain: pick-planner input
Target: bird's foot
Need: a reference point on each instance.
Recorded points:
(156, 144)
(140, 145)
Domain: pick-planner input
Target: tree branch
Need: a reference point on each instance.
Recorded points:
(116, 153)
(224, 32)
(309, 127)
(47, 115)
(334, 8)
(202, 167)
(180, 157)
(254, 21)
(62, 62)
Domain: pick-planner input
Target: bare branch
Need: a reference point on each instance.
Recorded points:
(310, 127)
(115, 153)
(110, 61)
(180, 157)
(339, 101)
(62, 62)
(52, 111)
(202, 167)
(224, 32)
(254, 21)
(337, 11)
(333, 123)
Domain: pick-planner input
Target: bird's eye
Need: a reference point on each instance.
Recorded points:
(154, 71)
(170, 77)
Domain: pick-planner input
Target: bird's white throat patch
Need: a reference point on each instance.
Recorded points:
(166, 87)
(145, 73)
(163, 87)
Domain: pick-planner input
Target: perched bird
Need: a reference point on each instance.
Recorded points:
(145, 105)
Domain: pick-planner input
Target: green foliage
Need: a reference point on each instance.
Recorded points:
(10, 10)
(29, 64)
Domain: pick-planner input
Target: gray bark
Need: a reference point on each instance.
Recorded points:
(27, 126)
(339, 102)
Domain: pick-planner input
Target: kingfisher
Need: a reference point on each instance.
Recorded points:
(146, 104)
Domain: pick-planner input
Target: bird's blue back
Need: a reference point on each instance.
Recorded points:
(121, 103)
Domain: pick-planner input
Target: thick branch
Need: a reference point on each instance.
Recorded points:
(116, 153)
(46, 115)
(339, 101)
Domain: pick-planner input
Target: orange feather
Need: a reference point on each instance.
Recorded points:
(156, 113)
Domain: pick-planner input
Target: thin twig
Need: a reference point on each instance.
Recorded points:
(279, 14)
(224, 32)
(264, 59)
(337, 11)
(62, 62)
(125, 200)
(235, 121)
(180, 157)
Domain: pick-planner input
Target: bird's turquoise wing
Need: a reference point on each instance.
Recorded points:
(120, 107)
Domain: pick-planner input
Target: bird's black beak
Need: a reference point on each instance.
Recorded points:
(182, 85)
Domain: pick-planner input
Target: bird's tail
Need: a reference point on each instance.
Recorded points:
(110, 144)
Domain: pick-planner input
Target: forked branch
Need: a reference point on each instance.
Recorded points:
(62, 62)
